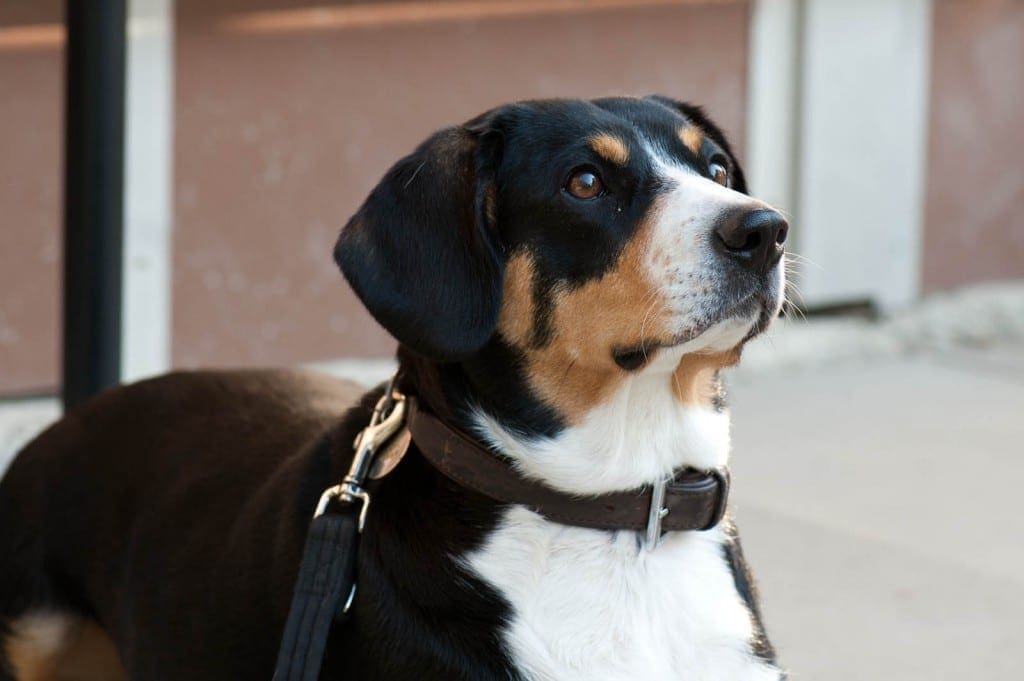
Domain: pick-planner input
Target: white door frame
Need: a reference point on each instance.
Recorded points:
(838, 138)
(149, 153)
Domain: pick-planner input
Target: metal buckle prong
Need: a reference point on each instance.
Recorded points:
(655, 516)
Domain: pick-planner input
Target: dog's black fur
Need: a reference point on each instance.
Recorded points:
(173, 512)
(188, 560)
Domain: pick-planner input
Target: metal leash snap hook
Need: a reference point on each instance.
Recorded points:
(388, 417)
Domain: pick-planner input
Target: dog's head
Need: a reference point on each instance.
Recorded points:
(589, 240)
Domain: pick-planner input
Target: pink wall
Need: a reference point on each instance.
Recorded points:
(31, 135)
(280, 136)
(974, 212)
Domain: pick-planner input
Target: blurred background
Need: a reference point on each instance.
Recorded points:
(878, 442)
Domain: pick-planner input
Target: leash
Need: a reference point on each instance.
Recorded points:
(326, 584)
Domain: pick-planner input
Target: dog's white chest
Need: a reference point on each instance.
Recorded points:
(589, 605)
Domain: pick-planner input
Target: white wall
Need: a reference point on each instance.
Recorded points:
(772, 101)
(856, 172)
(149, 151)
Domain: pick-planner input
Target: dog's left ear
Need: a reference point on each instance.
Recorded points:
(696, 115)
(422, 252)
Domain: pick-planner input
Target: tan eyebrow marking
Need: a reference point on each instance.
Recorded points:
(610, 148)
(692, 138)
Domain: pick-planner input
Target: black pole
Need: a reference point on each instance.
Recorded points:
(93, 196)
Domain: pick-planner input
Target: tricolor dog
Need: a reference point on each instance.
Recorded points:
(565, 280)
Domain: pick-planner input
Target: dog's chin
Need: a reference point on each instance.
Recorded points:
(758, 309)
(767, 312)
(727, 333)
(729, 330)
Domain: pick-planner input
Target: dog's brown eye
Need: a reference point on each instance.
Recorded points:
(719, 173)
(584, 184)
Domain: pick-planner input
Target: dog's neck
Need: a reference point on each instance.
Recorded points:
(640, 434)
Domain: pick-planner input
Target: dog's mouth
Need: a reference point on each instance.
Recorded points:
(752, 314)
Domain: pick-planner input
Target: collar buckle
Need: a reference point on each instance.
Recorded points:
(658, 511)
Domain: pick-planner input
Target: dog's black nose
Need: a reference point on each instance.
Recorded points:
(755, 240)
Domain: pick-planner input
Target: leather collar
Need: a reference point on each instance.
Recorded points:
(692, 499)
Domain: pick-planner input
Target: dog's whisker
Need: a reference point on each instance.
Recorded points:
(802, 259)
(650, 302)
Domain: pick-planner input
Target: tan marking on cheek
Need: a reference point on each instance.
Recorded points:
(693, 381)
(692, 138)
(515, 321)
(610, 148)
(576, 371)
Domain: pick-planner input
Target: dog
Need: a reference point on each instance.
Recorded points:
(565, 280)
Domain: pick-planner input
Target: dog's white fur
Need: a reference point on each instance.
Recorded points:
(590, 605)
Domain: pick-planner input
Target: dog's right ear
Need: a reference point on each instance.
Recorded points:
(422, 252)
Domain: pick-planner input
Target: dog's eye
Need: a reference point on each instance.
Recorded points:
(719, 172)
(584, 184)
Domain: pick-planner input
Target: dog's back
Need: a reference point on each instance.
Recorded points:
(65, 535)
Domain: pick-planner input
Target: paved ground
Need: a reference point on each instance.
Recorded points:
(881, 506)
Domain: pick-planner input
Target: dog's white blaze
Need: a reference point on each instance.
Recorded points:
(682, 258)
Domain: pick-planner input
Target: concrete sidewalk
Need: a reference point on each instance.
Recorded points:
(881, 507)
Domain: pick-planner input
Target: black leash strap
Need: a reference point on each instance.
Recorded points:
(326, 583)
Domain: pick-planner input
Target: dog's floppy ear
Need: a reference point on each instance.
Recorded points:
(696, 115)
(422, 253)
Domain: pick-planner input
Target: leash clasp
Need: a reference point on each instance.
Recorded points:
(345, 493)
(330, 557)
(388, 417)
